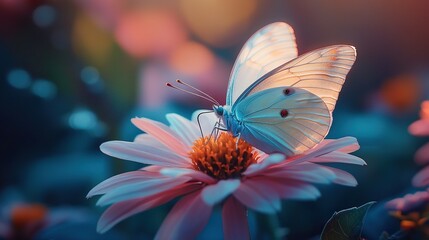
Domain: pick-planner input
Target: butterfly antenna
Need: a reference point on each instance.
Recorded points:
(198, 90)
(192, 93)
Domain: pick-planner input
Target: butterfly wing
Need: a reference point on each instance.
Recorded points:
(286, 121)
(268, 48)
(321, 72)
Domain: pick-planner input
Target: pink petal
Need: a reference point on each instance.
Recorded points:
(186, 129)
(322, 150)
(346, 149)
(163, 134)
(120, 180)
(421, 179)
(143, 154)
(422, 155)
(148, 140)
(122, 210)
(141, 189)
(234, 219)
(307, 172)
(343, 177)
(194, 174)
(187, 218)
(419, 128)
(264, 200)
(215, 193)
(339, 157)
(290, 189)
(272, 159)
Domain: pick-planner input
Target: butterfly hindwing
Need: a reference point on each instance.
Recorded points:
(284, 119)
(268, 48)
(321, 72)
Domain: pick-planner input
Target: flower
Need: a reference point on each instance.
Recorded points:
(421, 128)
(412, 210)
(209, 171)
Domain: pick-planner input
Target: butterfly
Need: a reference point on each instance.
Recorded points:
(281, 102)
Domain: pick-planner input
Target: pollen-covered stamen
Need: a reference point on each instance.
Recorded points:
(223, 157)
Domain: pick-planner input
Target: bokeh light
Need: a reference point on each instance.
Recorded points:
(151, 32)
(401, 92)
(225, 23)
(44, 89)
(19, 78)
(44, 16)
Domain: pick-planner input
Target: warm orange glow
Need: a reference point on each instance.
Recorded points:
(145, 33)
(401, 92)
(218, 22)
(192, 58)
(24, 215)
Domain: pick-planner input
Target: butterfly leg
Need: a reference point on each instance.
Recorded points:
(238, 139)
(216, 128)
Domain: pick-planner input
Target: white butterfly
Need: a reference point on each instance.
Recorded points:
(279, 102)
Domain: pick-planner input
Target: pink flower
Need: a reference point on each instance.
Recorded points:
(421, 128)
(409, 202)
(206, 172)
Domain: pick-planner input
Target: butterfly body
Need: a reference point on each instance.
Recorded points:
(279, 101)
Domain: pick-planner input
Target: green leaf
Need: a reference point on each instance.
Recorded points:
(346, 224)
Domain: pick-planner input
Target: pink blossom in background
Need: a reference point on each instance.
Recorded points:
(421, 128)
(205, 172)
(412, 211)
(409, 202)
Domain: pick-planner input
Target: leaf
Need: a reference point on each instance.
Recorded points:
(346, 224)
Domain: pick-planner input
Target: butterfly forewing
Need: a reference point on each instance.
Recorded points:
(321, 72)
(284, 119)
(267, 49)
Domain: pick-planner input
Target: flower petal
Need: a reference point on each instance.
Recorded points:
(266, 201)
(308, 172)
(148, 140)
(422, 155)
(269, 161)
(187, 218)
(342, 177)
(195, 175)
(186, 129)
(163, 134)
(419, 128)
(122, 210)
(291, 189)
(322, 150)
(215, 193)
(141, 189)
(346, 149)
(143, 154)
(339, 157)
(234, 220)
(120, 180)
(421, 179)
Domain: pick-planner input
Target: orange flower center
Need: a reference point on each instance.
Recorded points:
(223, 157)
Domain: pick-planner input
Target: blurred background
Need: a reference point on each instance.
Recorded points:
(74, 72)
